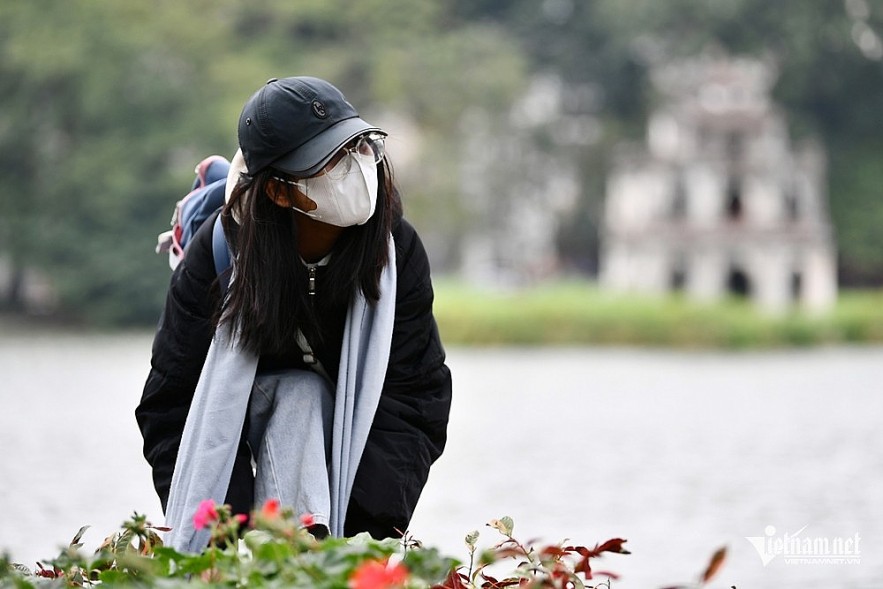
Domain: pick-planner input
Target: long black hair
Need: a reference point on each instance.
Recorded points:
(268, 297)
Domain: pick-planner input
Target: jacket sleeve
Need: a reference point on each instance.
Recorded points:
(410, 426)
(179, 350)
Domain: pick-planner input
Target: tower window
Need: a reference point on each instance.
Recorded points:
(678, 276)
(796, 285)
(734, 199)
(738, 283)
(792, 205)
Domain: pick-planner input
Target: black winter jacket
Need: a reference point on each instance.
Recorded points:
(409, 429)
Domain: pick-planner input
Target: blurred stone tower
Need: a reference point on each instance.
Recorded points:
(718, 202)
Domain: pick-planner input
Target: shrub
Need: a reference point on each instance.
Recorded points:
(276, 549)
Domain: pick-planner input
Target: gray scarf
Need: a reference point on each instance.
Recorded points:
(220, 404)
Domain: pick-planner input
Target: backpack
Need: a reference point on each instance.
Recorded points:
(205, 197)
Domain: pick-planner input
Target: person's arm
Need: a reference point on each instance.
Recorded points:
(179, 350)
(410, 427)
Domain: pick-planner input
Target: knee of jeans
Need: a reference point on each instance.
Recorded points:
(303, 389)
(313, 380)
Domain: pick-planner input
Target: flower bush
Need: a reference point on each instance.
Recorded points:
(276, 549)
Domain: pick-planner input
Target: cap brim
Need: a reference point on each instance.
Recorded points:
(310, 157)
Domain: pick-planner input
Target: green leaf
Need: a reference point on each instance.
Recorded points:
(197, 563)
(21, 569)
(429, 565)
(273, 551)
(169, 553)
(121, 544)
(504, 525)
(114, 576)
(362, 538)
(76, 540)
(256, 538)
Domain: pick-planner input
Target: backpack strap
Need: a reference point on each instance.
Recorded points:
(310, 358)
(221, 253)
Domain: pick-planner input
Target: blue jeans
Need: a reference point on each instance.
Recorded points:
(290, 417)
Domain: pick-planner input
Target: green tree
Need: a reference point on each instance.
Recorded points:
(104, 106)
(107, 106)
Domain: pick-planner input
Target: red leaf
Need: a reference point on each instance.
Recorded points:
(612, 545)
(492, 583)
(454, 580)
(555, 551)
(508, 551)
(52, 573)
(717, 561)
(583, 567)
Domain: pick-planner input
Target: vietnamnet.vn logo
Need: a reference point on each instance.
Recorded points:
(799, 548)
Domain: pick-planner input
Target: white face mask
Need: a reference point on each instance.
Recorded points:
(346, 194)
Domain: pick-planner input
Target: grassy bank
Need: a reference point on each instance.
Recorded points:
(579, 313)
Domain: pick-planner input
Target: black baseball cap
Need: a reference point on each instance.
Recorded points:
(296, 125)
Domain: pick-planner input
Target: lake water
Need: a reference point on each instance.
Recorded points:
(679, 452)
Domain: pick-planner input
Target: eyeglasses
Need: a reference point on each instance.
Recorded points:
(368, 144)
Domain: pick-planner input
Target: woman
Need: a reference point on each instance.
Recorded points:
(320, 364)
